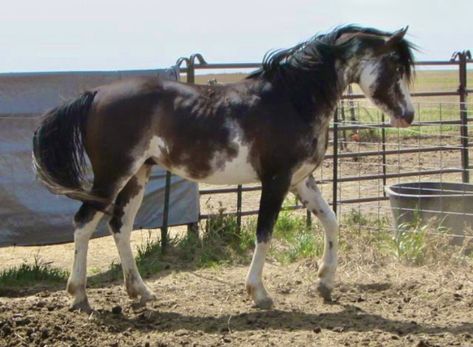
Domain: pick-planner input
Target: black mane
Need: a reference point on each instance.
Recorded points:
(303, 71)
(311, 55)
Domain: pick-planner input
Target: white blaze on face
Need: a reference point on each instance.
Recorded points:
(368, 82)
(408, 107)
(368, 78)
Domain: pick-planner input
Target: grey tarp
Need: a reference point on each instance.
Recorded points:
(29, 214)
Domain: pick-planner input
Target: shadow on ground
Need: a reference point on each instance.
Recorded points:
(349, 318)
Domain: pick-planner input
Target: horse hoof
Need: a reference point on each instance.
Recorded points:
(324, 291)
(147, 298)
(82, 306)
(264, 304)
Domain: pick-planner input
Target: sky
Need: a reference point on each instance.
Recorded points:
(62, 35)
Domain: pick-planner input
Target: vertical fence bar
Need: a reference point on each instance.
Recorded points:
(351, 105)
(344, 144)
(167, 186)
(164, 228)
(308, 218)
(191, 72)
(192, 228)
(335, 162)
(462, 56)
(383, 154)
(239, 204)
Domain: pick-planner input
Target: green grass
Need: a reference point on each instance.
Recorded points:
(149, 259)
(221, 242)
(409, 243)
(369, 237)
(425, 112)
(427, 108)
(425, 81)
(364, 238)
(35, 274)
(294, 240)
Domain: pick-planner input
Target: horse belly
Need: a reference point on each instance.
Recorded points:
(235, 171)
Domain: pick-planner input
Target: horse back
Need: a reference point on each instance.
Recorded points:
(218, 134)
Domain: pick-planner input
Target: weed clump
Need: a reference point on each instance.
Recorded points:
(26, 275)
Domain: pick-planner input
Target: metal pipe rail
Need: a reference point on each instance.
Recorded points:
(459, 59)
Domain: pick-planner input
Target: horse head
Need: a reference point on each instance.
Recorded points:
(384, 65)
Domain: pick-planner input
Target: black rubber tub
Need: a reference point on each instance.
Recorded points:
(441, 204)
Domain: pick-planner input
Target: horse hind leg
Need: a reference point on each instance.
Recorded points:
(85, 220)
(121, 224)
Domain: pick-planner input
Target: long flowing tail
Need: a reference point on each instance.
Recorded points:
(58, 149)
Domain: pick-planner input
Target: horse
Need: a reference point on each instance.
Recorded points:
(272, 127)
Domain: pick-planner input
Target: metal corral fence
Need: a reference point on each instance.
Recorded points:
(360, 136)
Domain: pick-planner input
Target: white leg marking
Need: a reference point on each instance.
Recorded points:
(310, 195)
(78, 278)
(254, 280)
(133, 282)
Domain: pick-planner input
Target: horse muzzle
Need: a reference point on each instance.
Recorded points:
(403, 121)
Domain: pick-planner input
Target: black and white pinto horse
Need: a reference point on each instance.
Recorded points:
(271, 127)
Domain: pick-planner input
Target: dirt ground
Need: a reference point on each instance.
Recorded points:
(373, 306)
(99, 260)
(102, 252)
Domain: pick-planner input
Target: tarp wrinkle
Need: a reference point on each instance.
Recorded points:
(29, 213)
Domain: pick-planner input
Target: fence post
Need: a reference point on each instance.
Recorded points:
(462, 90)
(190, 72)
(239, 203)
(344, 144)
(164, 228)
(383, 158)
(192, 228)
(335, 162)
(191, 66)
(167, 186)
(308, 218)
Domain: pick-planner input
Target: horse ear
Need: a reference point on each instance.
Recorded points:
(396, 37)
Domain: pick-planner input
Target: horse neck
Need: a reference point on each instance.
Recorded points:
(314, 93)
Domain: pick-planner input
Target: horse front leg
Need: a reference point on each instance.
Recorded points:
(273, 192)
(308, 192)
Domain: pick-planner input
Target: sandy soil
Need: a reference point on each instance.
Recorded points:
(389, 305)
(373, 306)
(102, 252)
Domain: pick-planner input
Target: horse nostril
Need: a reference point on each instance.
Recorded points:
(408, 116)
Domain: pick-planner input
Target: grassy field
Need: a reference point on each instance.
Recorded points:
(425, 80)
(427, 108)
